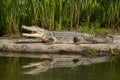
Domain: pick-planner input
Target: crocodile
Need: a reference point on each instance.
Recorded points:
(47, 36)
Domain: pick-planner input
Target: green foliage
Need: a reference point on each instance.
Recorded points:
(96, 15)
(114, 51)
(93, 52)
(94, 28)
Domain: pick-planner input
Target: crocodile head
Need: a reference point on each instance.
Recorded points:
(37, 32)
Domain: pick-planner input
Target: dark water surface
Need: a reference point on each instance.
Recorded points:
(11, 69)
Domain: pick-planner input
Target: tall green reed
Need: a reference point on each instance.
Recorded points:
(58, 14)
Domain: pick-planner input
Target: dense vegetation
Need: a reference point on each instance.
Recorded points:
(80, 15)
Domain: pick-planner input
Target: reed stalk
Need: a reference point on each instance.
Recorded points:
(59, 14)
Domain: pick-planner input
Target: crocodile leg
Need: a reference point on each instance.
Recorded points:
(76, 40)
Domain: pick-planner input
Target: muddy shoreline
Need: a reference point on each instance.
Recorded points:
(29, 46)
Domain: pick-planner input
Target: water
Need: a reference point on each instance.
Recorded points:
(12, 69)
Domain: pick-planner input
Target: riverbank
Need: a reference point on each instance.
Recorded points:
(35, 46)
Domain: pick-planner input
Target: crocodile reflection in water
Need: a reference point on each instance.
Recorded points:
(63, 62)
